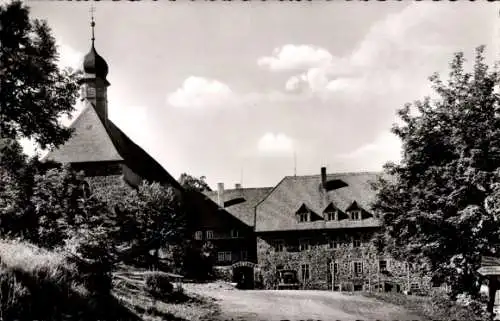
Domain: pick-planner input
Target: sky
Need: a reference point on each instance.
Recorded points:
(249, 92)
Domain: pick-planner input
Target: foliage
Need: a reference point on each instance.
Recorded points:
(435, 307)
(36, 284)
(439, 204)
(158, 285)
(192, 183)
(17, 176)
(64, 206)
(199, 260)
(150, 218)
(35, 92)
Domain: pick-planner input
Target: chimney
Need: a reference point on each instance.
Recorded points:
(237, 186)
(323, 176)
(220, 194)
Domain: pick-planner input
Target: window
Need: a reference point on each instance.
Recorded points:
(210, 235)
(198, 235)
(304, 272)
(334, 243)
(414, 286)
(356, 215)
(333, 267)
(331, 216)
(279, 246)
(303, 217)
(358, 268)
(356, 242)
(224, 256)
(235, 233)
(304, 245)
(382, 265)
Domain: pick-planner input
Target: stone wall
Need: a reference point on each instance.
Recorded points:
(319, 257)
(111, 187)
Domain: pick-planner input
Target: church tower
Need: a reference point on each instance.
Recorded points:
(99, 147)
(93, 83)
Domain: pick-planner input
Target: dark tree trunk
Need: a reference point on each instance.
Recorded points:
(492, 290)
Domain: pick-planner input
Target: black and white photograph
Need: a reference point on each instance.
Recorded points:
(249, 160)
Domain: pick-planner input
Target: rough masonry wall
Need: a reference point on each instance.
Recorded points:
(111, 187)
(319, 257)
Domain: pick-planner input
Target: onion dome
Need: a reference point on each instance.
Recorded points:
(93, 63)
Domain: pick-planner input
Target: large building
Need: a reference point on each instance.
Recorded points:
(319, 227)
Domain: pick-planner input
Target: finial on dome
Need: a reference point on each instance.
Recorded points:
(92, 22)
(92, 62)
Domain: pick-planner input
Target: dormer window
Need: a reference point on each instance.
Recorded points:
(356, 215)
(303, 214)
(331, 215)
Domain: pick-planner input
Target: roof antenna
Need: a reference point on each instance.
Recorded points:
(92, 22)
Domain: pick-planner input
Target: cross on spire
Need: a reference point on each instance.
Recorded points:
(92, 22)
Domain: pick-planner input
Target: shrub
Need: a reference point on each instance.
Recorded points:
(437, 306)
(158, 285)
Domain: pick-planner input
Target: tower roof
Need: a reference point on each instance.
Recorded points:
(90, 141)
(93, 63)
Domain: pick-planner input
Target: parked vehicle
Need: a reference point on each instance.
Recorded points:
(287, 279)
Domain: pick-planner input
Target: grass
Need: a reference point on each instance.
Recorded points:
(434, 307)
(36, 284)
(131, 289)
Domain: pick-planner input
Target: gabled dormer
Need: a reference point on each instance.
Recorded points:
(332, 213)
(304, 214)
(356, 212)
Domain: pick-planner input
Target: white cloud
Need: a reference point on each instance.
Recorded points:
(275, 143)
(386, 147)
(201, 92)
(397, 54)
(291, 57)
(69, 57)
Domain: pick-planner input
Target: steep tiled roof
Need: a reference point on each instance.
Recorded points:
(243, 211)
(277, 212)
(93, 141)
(89, 142)
(138, 160)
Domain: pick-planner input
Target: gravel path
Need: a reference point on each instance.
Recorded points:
(297, 305)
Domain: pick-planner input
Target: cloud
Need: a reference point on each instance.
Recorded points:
(69, 57)
(292, 57)
(275, 143)
(198, 92)
(397, 53)
(386, 147)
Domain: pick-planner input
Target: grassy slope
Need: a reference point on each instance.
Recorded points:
(436, 307)
(39, 284)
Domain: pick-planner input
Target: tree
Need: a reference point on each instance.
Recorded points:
(192, 183)
(34, 91)
(439, 205)
(149, 218)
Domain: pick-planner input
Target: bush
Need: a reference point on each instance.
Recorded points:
(33, 282)
(37, 284)
(158, 285)
(438, 306)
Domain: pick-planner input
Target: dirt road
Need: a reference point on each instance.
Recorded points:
(298, 305)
